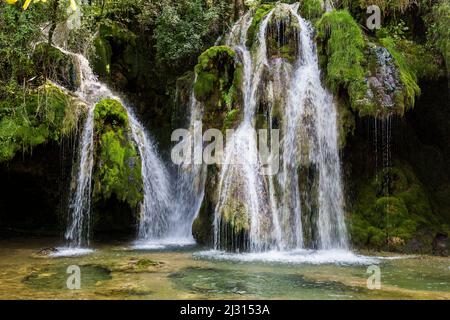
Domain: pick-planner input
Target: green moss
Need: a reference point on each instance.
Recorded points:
(218, 83)
(287, 53)
(407, 75)
(234, 226)
(110, 112)
(31, 118)
(346, 123)
(351, 65)
(311, 9)
(391, 209)
(110, 29)
(258, 17)
(118, 165)
(236, 217)
(101, 61)
(231, 119)
(210, 57)
(341, 48)
(204, 85)
(438, 32)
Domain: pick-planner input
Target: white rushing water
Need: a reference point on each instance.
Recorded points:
(91, 91)
(295, 256)
(241, 162)
(309, 135)
(314, 104)
(157, 193)
(190, 183)
(188, 194)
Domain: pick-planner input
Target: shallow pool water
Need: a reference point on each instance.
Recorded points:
(127, 271)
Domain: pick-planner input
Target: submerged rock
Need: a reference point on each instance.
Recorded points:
(136, 265)
(45, 252)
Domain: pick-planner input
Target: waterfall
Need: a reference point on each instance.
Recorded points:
(241, 153)
(274, 204)
(190, 184)
(91, 91)
(153, 222)
(318, 114)
(155, 207)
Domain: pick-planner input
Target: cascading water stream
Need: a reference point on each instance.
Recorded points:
(157, 194)
(190, 184)
(91, 91)
(313, 100)
(241, 161)
(310, 135)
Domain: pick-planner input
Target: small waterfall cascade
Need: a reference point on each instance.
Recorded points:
(242, 168)
(300, 206)
(157, 194)
(91, 91)
(318, 119)
(190, 183)
(155, 207)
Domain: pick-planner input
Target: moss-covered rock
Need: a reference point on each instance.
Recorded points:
(341, 49)
(101, 60)
(202, 228)
(404, 98)
(41, 115)
(182, 100)
(312, 9)
(392, 210)
(282, 34)
(385, 88)
(346, 123)
(117, 162)
(234, 222)
(116, 56)
(218, 84)
(56, 65)
(258, 16)
(375, 76)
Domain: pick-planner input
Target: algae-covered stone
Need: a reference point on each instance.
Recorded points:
(218, 84)
(47, 113)
(312, 9)
(117, 162)
(282, 34)
(377, 78)
(391, 210)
